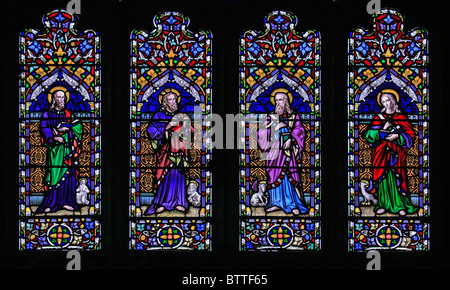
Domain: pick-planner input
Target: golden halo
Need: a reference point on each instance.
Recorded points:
(193, 181)
(58, 88)
(280, 90)
(167, 91)
(387, 91)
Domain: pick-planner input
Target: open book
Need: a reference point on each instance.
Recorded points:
(68, 124)
(393, 130)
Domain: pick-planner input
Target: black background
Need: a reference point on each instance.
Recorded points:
(226, 19)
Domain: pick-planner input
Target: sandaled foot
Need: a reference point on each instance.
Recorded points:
(273, 208)
(381, 211)
(180, 208)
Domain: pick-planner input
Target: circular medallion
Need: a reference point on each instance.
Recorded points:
(170, 236)
(280, 235)
(59, 235)
(388, 236)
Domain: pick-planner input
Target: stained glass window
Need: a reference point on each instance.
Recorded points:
(388, 125)
(280, 169)
(59, 136)
(170, 176)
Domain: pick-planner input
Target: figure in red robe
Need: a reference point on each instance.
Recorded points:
(169, 136)
(390, 135)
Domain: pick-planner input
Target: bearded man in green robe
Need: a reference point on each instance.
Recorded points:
(61, 134)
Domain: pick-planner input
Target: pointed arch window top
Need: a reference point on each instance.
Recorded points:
(388, 44)
(171, 44)
(171, 21)
(388, 20)
(280, 44)
(280, 21)
(60, 44)
(59, 19)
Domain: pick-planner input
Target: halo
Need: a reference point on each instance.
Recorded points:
(58, 88)
(280, 90)
(388, 91)
(83, 178)
(193, 181)
(167, 91)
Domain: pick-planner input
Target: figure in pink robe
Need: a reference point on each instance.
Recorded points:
(281, 140)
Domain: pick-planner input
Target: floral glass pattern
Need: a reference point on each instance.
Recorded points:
(280, 169)
(59, 136)
(170, 176)
(388, 124)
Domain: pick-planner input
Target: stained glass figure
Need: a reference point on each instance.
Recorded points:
(280, 137)
(170, 177)
(388, 173)
(59, 136)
